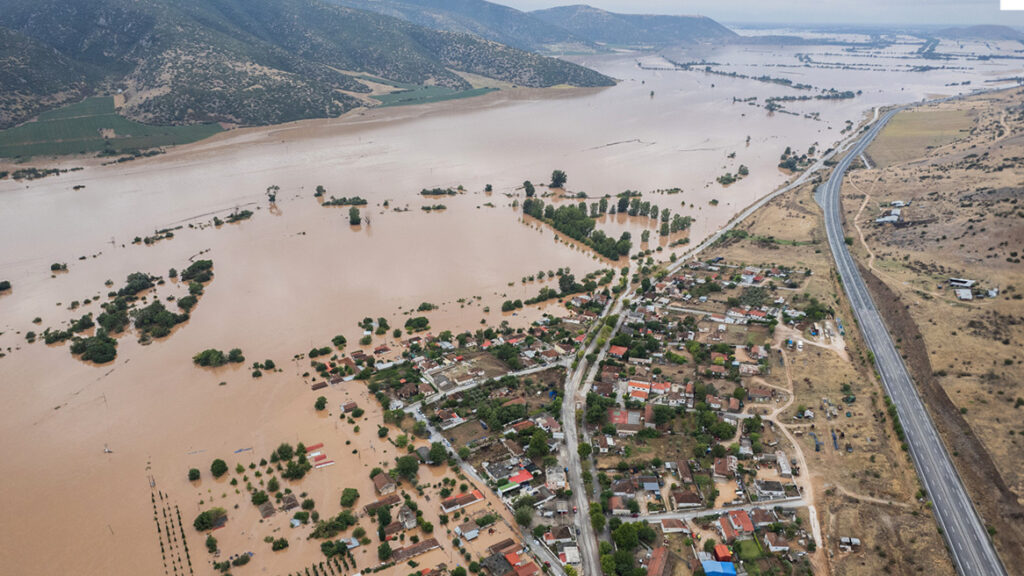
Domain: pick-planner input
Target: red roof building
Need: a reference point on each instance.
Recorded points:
(522, 477)
(528, 569)
(618, 351)
(722, 553)
(659, 559)
(740, 521)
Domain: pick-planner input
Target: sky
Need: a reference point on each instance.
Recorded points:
(939, 12)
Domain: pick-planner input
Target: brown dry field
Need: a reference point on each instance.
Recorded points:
(964, 221)
(909, 131)
(853, 491)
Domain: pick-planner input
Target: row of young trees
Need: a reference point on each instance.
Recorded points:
(574, 222)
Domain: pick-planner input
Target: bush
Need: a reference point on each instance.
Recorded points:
(349, 497)
(201, 271)
(99, 348)
(5, 285)
(186, 303)
(235, 356)
(241, 560)
(218, 468)
(321, 404)
(211, 544)
(417, 324)
(279, 544)
(206, 520)
(193, 474)
(211, 357)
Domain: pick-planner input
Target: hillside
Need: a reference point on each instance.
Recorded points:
(237, 61)
(487, 20)
(34, 77)
(634, 29)
(985, 32)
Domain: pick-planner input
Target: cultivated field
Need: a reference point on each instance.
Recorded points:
(93, 125)
(907, 133)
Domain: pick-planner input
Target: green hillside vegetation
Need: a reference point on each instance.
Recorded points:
(77, 129)
(247, 62)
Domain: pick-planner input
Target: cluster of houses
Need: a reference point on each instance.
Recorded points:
(509, 558)
(651, 392)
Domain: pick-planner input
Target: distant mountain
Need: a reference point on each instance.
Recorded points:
(239, 61)
(984, 32)
(634, 29)
(484, 19)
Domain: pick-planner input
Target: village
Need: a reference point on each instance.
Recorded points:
(690, 427)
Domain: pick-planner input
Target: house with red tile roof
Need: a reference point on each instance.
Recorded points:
(725, 467)
(618, 506)
(673, 526)
(617, 351)
(461, 501)
(727, 531)
(639, 395)
(528, 569)
(717, 371)
(758, 394)
(740, 521)
(522, 477)
(659, 560)
(638, 385)
(683, 499)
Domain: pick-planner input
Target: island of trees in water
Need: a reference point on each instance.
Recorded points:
(122, 310)
(578, 220)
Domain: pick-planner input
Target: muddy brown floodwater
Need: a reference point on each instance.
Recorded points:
(291, 278)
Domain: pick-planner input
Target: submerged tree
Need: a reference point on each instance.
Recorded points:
(528, 186)
(558, 179)
(353, 216)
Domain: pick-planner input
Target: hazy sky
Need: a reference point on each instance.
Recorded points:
(944, 12)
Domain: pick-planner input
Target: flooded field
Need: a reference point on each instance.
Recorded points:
(293, 276)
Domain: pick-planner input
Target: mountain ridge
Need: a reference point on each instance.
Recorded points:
(244, 62)
(613, 28)
(495, 22)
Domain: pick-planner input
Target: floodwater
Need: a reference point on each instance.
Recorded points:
(293, 277)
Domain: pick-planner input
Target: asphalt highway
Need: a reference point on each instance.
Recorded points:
(969, 544)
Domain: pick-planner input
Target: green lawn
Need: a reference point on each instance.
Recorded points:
(76, 129)
(748, 550)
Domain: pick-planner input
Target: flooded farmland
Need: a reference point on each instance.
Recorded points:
(296, 274)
